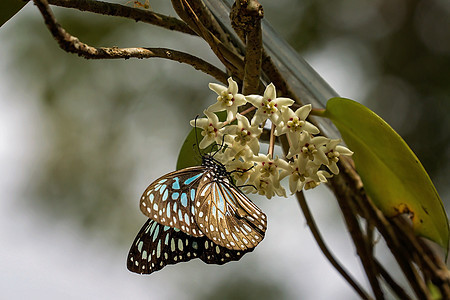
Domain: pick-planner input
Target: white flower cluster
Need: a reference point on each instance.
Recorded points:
(309, 162)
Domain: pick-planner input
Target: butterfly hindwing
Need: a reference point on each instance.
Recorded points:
(226, 216)
(158, 245)
(169, 200)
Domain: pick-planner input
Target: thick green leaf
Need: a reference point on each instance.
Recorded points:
(8, 8)
(189, 155)
(392, 174)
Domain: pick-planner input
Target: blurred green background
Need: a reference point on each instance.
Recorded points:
(82, 139)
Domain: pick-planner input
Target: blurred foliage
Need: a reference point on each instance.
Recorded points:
(243, 288)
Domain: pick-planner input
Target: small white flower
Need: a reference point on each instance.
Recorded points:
(240, 170)
(317, 179)
(295, 123)
(269, 167)
(268, 106)
(309, 148)
(299, 179)
(211, 129)
(229, 99)
(268, 187)
(244, 137)
(266, 177)
(332, 151)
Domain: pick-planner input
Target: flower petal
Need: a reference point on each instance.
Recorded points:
(303, 112)
(217, 88)
(255, 100)
(232, 86)
(270, 92)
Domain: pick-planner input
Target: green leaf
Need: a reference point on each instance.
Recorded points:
(189, 155)
(8, 8)
(392, 174)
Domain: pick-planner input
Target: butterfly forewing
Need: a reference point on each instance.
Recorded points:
(226, 216)
(169, 200)
(158, 245)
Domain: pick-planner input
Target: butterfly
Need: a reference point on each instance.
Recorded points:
(196, 206)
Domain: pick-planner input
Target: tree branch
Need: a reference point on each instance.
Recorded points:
(323, 247)
(118, 10)
(72, 44)
(319, 240)
(246, 17)
(346, 186)
(229, 59)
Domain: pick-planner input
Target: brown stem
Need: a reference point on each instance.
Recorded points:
(229, 59)
(118, 10)
(319, 240)
(247, 15)
(272, 141)
(397, 289)
(348, 183)
(72, 44)
(349, 212)
(323, 247)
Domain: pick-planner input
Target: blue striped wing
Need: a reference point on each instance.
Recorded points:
(169, 200)
(157, 245)
(226, 216)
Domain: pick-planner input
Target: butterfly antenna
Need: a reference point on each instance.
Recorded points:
(196, 137)
(241, 171)
(221, 146)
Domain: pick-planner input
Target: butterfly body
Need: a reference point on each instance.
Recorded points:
(200, 209)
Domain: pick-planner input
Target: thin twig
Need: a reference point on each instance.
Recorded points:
(72, 44)
(229, 59)
(397, 289)
(401, 254)
(118, 10)
(429, 263)
(349, 212)
(271, 141)
(209, 21)
(323, 247)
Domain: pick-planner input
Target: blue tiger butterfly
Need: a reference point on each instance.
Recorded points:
(196, 212)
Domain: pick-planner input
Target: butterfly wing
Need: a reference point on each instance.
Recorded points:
(169, 200)
(226, 216)
(156, 246)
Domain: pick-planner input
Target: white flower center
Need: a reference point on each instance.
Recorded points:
(308, 151)
(333, 156)
(297, 175)
(226, 98)
(209, 131)
(295, 124)
(268, 168)
(243, 136)
(269, 107)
